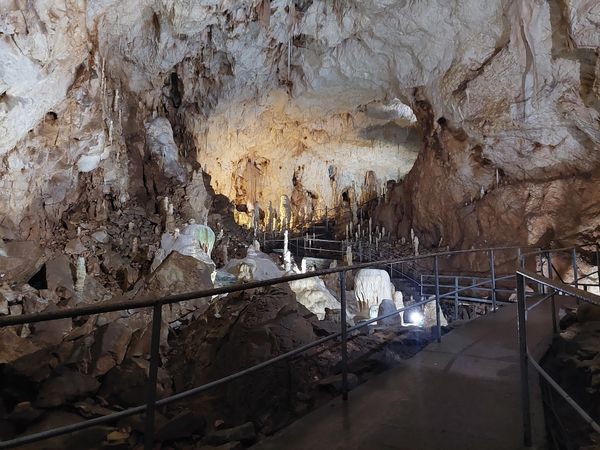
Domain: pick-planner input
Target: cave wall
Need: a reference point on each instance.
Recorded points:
(266, 96)
(511, 147)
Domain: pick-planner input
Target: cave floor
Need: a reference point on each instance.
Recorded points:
(460, 394)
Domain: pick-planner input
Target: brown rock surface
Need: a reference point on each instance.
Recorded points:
(238, 332)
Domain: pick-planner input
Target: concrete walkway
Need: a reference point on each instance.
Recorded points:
(460, 394)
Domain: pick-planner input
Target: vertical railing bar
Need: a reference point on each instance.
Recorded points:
(437, 301)
(493, 273)
(455, 298)
(598, 263)
(552, 299)
(344, 336)
(152, 376)
(574, 262)
(522, 333)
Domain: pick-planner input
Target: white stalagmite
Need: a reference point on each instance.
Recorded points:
(371, 287)
(135, 245)
(256, 219)
(287, 256)
(80, 274)
(349, 255)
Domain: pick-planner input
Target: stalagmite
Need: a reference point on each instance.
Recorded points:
(416, 245)
(135, 246)
(256, 219)
(287, 256)
(80, 274)
(170, 219)
(285, 212)
(272, 218)
(349, 255)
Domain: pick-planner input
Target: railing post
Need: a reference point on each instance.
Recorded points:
(574, 262)
(152, 377)
(438, 326)
(493, 273)
(455, 298)
(552, 300)
(553, 307)
(522, 333)
(520, 263)
(344, 336)
(598, 263)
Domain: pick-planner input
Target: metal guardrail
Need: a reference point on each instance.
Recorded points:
(555, 287)
(157, 303)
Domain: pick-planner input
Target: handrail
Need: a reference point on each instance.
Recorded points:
(475, 285)
(462, 277)
(564, 394)
(22, 440)
(525, 356)
(561, 287)
(124, 304)
(556, 250)
(157, 304)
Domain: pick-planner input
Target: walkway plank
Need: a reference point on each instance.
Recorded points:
(460, 394)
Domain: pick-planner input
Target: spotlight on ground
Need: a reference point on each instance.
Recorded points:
(416, 318)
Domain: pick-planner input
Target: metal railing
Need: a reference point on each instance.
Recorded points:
(552, 288)
(465, 288)
(157, 304)
(544, 263)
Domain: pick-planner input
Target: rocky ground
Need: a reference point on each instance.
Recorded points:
(66, 372)
(574, 362)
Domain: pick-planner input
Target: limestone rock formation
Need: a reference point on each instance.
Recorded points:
(238, 332)
(315, 296)
(307, 101)
(256, 266)
(371, 287)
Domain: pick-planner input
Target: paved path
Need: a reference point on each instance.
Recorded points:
(460, 394)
